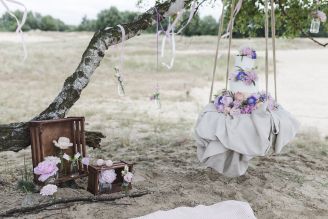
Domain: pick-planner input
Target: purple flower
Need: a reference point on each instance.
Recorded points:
(46, 169)
(254, 54)
(220, 108)
(249, 52)
(226, 100)
(241, 76)
(248, 109)
(251, 100)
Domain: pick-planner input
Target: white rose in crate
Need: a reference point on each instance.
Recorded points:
(109, 163)
(63, 143)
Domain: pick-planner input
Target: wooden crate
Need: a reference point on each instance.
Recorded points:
(44, 132)
(94, 172)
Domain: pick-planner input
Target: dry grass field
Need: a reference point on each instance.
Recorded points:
(293, 184)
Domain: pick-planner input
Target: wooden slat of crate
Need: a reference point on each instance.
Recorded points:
(94, 172)
(44, 132)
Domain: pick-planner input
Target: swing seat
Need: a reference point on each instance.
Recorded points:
(227, 144)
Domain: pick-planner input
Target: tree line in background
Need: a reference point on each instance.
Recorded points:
(249, 22)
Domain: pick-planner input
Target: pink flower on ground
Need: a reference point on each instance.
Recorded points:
(46, 169)
(49, 189)
(128, 177)
(239, 96)
(107, 176)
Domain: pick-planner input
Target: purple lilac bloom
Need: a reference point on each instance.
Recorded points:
(253, 54)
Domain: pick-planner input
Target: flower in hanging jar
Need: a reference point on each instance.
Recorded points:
(321, 16)
(45, 169)
(77, 156)
(48, 190)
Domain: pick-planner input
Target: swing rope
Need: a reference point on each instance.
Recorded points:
(230, 38)
(266, 27)
(273, 32)
(217, 48)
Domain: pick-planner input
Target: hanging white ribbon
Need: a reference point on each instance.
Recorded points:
(119, 69)
(169, 33)
(231, 22)
(20, 24)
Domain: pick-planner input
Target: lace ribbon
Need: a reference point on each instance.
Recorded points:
(20, 24)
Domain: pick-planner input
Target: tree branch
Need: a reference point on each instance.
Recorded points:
(283, 11)
(40, 207)
(16, 136)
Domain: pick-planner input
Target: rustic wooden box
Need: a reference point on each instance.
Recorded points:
(94, 172)
(44, 132)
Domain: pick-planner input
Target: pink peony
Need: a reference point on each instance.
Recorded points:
(128, 177)
(239, 96)
(46, 169)
(247, 51)
(49, 189)
(107, 176)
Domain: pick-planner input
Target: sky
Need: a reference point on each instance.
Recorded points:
(72, 11)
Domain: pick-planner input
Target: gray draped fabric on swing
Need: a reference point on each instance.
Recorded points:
(226, 143)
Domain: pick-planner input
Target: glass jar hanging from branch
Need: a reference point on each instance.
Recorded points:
(318, 17)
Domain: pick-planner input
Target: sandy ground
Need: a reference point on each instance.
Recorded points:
(293, 184)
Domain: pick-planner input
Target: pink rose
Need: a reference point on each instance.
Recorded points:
(107, 176)
(128, 177)
(46, 169)
(239, 96)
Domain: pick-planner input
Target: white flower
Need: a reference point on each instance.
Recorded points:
(54, 159)
(63, 143)
(100, 162)
(66, 157)
(126, 170)
(108, 163)
(107, 176)
(128, 177)
(49, 189)
(77, 155)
